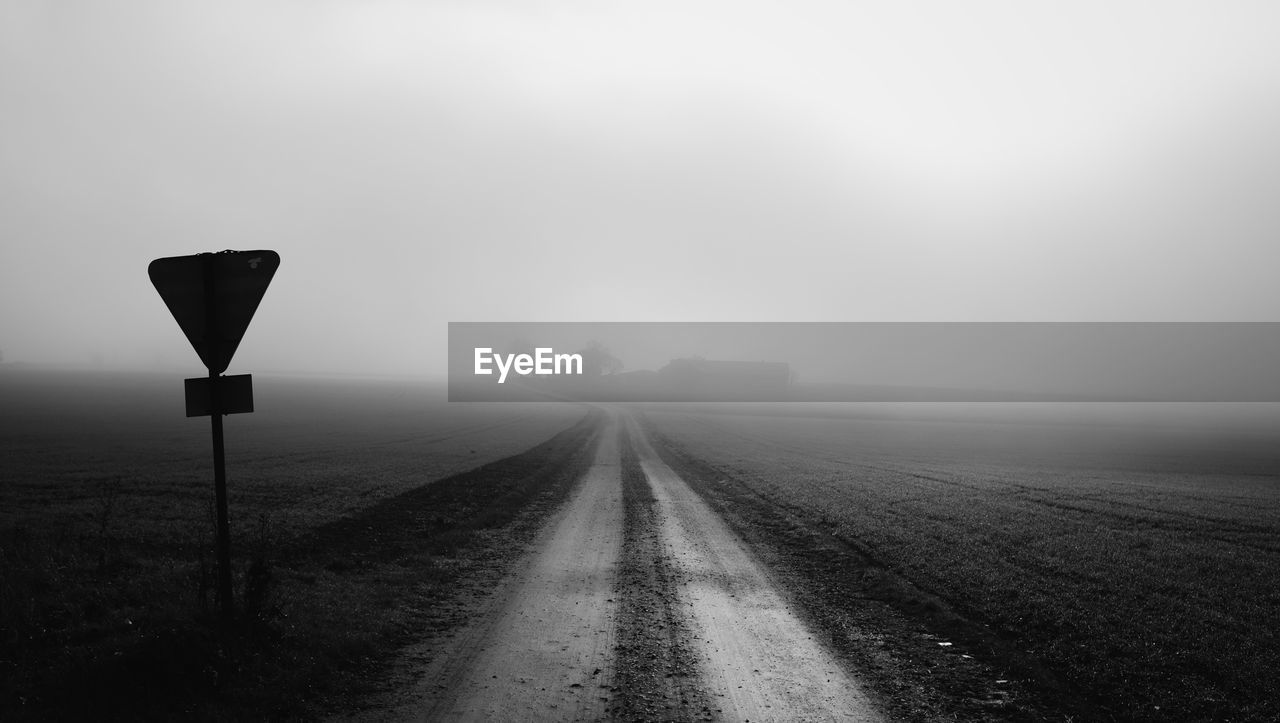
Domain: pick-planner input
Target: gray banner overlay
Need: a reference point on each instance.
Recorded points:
(875, 362)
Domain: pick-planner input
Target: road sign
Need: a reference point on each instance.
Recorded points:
(213, 296)
(235, 394)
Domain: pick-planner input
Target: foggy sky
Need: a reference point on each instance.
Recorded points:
(419, 163)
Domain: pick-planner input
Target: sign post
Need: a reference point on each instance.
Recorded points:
(213, 297)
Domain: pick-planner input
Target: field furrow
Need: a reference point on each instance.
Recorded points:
(1136, 560)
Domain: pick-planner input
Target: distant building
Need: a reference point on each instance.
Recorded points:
(725, 379)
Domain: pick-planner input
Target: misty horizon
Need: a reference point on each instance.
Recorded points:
(853, 361)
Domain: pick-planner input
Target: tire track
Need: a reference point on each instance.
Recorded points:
(656, 674)
(637, 603)
(758, 661)
(547, 652)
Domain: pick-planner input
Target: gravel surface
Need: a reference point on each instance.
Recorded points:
(636, 602)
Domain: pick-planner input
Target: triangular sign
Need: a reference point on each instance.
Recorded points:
(214, 291)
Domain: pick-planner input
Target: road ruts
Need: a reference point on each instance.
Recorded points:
(757, 659)
(636, 603)
(547, 655)
(656, 675)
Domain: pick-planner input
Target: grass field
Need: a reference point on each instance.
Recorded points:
(313, 451)
(352, 502)
(1133, 549)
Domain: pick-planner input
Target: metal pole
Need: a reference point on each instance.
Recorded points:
(219, 458)
(220, 492)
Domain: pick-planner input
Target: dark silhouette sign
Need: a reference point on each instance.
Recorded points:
(235, 395)
(213, 296)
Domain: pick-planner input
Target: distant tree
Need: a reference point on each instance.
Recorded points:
(598, 360)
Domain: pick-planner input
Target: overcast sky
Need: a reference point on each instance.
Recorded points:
(416, 163)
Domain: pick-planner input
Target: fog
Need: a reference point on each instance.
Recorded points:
(421, 163)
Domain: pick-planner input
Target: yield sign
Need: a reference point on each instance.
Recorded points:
(213, 297)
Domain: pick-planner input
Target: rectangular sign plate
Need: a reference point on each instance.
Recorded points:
(235, 393)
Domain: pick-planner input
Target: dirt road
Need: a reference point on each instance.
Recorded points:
(566, 636)
(757, 659)
(542, 648)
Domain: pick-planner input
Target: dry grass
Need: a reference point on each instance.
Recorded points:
(106, 537)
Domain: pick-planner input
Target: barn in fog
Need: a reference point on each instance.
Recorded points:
(726, 379)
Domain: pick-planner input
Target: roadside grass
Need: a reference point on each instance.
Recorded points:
(347, 544)
(1146, 582)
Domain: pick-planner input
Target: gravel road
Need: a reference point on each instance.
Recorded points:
(679, 623)
(757, 659)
